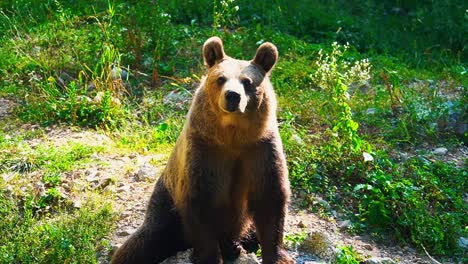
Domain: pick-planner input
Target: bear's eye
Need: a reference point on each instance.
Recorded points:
(221, 80)
(247, 82)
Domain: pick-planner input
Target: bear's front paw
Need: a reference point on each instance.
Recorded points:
(231, 249)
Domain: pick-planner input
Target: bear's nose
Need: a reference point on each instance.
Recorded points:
(232, 101)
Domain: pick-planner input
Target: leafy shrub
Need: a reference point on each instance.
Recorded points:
(421, 200)
(347, 255)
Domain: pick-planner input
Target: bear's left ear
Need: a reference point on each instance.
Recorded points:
(213, 51)
(266, 56)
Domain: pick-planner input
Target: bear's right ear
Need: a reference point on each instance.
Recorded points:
(213, 51)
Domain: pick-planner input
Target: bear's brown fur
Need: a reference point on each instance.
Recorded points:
(226, 173)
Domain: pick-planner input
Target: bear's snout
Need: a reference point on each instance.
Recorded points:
(232, 101)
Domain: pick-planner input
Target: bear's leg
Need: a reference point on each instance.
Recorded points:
(159, 237)
(200, 225)
(250, 241)
(268, 204)
(230, 248)
(242, 239)
(269, 215)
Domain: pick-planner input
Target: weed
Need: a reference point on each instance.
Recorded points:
(295, 240)
(224, 15)
(334, 75)
(347, 255)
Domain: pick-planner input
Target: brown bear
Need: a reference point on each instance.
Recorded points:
(227, 173)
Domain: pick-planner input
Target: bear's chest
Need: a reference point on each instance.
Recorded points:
(226, 176)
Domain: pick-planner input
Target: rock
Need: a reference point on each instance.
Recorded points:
(146, 172)
(6, 107)
(176, 98)
(181, 258)
(247, 259)
(104, 183)
(64, 79)
(463, 242)
(404, 156)
(376, 260)
(8, 176)
(323, 203)
(184, 258)
(93, 176)
(440, 151)
(126, 232)
(296, 139)
(301, 225)
(77, 204)
(39, 189)
(118, 73)
(345, 224)
(367, 156)
(368, 247)
(370, 111)
(123, 188)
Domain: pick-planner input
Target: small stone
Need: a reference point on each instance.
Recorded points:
(322, 202)
(368, 247)
(370, 111)
(176, 98)
(39, 189)
(404, 156)
(126, 232)
(146, 172)
(463, 242)
(247, 259)
(104, 183)
(8, 176)
(345, 224)
(124, 188)
(367, 156)
(118, 73)
(93, 176)
(77, 204)
(91, 87)
(376, 260)
(181, 258)
(296, 139)
(440, 151)
(301, 224)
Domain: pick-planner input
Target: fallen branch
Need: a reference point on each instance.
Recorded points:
(433, 259)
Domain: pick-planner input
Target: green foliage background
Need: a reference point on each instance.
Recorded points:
(372, 78)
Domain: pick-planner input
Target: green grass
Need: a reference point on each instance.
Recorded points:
(399, 86)
(22, 159)
(71, 237)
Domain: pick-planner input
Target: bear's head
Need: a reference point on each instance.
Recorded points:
(237, 87)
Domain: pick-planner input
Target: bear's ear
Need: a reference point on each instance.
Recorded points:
(266, 56)
(213, 51)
